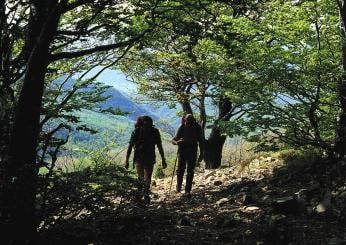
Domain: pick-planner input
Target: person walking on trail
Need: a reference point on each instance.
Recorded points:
(188, 136)
(143, 139)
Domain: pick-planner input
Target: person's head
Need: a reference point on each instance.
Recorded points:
(189, 120)
(139, 121)
(148, 121)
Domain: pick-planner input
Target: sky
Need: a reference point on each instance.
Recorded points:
(113, 78)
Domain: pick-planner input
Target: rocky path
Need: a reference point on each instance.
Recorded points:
(266, 202)
(233, 207)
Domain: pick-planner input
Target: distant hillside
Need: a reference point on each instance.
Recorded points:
(116, 100)
(125, 104)
(117, 128)
(110, 128)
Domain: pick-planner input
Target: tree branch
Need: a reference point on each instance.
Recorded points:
(70, 55)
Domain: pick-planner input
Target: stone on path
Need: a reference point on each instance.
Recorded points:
(286, 205)
(247, 199)
(210, 174)
(320, 208)
(222, 201)
(252, 208)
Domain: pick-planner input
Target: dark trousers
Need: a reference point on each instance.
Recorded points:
(144, 172)
(187, 159)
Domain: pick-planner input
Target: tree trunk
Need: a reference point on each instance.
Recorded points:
(202, 115)
(214, 143)
(19, 176)
(340, 140)
(213, 149)
(186, 107)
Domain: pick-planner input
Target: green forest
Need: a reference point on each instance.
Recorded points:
(260, 84)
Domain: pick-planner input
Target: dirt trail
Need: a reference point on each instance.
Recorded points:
(267, 202)
(232, 208)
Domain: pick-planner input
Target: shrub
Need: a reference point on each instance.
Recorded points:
(99, 188)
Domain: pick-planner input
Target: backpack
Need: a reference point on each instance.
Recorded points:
(144, 138)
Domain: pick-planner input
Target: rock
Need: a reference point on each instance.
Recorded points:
(210, 179)
(254, 164)
(265, 188)
(224, 176)
(184, 221)
(162, 199)
(217, 182)
(222, 201)
(252, 208)
(247, 199)
(236, 216)
(266, 199)
(286, 205)
(269, 159)
(210, 174)
(320, 208)
(302, 196)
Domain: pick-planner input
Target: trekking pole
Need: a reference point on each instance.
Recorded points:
(175, 164)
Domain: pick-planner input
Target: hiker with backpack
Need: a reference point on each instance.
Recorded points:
(188, 136)
(143, 139)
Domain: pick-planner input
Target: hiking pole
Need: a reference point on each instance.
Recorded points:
(175, 164)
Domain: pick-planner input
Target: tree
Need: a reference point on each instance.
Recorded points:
(192, 61)
(291, 54)
(340, 139)
(183, 64)
(52, 34)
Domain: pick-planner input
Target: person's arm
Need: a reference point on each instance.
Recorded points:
(129, 148)
(160, 148)
(163, 159)
(178, 139)
(128, 153)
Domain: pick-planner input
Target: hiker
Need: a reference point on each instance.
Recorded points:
(188, 135)
(143, 139)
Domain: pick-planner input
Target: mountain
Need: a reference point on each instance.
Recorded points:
(117, 128)
(118, 100)
(164, 117)
(111, 128)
